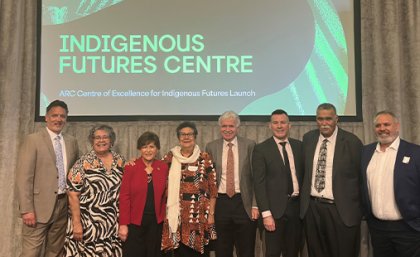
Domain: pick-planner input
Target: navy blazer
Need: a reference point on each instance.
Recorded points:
(406, 182)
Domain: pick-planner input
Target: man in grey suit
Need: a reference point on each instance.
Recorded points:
(278, 173)
(45, 157)
(236, 209)
(330, 196)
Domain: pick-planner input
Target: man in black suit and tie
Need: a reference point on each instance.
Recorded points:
(278, 173)
(391, 190)
(330, 196)
(236, 209)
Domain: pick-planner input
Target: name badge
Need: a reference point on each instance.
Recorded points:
(192, 168)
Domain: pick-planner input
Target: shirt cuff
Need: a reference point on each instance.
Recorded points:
(265, 214)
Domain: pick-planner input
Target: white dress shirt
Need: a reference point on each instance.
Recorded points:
(222, 185)
(380, 182)
(327, 192)
(291, 162)
(63, 149)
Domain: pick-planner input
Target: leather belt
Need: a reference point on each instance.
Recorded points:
(61, 196)
(293, 197)
(322, 200)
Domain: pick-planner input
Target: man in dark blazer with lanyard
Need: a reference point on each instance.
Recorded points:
(278, 173)
(391, 190)
(330, 197)
(236, 210)
(44, 159)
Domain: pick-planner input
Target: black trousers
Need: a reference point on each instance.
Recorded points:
(394, 239)
(144, 240)
(185, 251)
(287, 239)
(234, 228)
(327, 235)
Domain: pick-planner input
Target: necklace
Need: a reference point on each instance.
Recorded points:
(149, 177)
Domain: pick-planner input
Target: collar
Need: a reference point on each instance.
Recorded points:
(393, 146)
(278, 141)
(53, 135)
(333, 137)
(234, 142)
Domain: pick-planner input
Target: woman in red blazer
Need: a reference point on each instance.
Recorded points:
(143, 200)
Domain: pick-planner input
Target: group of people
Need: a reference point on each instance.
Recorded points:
(191, 200)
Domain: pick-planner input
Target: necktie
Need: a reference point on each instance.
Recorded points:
(230, 173)
(60, 164)
(288, 170)
(320, 167)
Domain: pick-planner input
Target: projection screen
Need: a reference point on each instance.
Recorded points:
(179, 59)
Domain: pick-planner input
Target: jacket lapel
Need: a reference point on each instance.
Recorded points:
(219, 160)
(47, 139)
(241, 154)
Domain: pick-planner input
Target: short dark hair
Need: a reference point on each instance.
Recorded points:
(279, 112)
(147, 138)
(187, 124)
(326, 106)
(104, 127)
(59, 103)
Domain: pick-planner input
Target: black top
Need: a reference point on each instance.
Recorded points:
(149, 207)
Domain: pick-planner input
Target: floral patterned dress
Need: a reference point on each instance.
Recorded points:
(99, 192)
(198, 185)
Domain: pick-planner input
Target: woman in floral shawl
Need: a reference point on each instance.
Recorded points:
(191, 197)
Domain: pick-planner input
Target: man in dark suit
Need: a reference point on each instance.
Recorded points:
(330, 196)
(45, 157)
(236, 209)
(278, 173)
(391, 190)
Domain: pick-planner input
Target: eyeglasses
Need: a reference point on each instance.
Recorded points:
(186, 134)
(101, 138)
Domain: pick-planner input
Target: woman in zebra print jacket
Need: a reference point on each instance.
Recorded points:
(93, 189)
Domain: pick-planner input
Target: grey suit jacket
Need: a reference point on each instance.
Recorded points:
(346, 177)
(270, 177)
(37, 175)
(245, 148)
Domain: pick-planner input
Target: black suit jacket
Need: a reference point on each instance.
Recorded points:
(270, 178)
(406, 182)
(345, 178)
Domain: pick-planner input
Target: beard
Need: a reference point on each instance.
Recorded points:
(386, 139)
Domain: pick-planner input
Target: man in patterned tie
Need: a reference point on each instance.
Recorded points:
(236, 209)
(45, 157)
(330, 196)
(277, 164)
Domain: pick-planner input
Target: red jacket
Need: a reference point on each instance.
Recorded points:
(134, 191)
